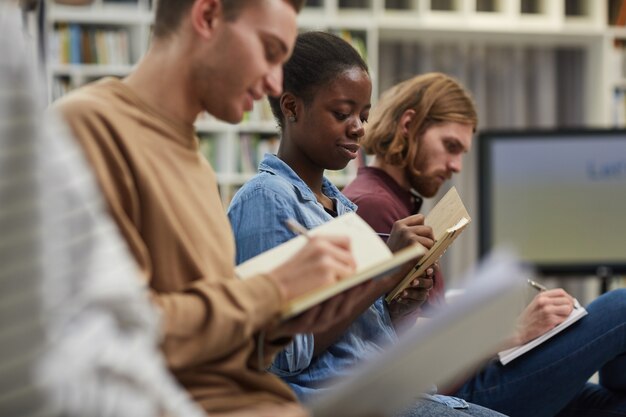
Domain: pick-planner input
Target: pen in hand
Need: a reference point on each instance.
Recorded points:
(540, 287)
(297, 228)
(536, 285)
(383, 236)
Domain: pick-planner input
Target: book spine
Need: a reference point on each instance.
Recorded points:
(75, 49)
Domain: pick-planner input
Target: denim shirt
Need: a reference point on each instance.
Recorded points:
(257, 213)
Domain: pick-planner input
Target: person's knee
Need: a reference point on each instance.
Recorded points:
(613, 302)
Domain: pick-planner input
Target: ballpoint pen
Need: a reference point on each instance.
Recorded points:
(536, 285)
(297, 228)
(540, 287)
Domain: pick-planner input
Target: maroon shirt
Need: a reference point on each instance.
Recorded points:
(381, 202)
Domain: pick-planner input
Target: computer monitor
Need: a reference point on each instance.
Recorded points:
(558, 197)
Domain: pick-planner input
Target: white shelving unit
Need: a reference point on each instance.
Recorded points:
(614, 76)
(581, 23)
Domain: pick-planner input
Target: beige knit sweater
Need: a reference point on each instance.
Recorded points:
(164, 197)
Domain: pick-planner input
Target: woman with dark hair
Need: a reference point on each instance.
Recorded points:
(321, 113)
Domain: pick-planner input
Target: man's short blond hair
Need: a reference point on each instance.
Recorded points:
(169, 13)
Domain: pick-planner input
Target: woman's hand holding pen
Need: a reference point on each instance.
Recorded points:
(547, 309)
(409, 231)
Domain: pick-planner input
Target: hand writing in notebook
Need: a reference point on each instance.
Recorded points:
(409, 231)
(405, 232)
(548, 309)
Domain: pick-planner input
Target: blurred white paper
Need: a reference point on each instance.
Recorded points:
(458, 338)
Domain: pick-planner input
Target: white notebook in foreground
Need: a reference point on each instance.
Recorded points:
(508, 355)
(372, 256)
(442, 349)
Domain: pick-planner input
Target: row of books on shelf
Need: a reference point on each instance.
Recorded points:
(261, 112)
(572, 7)
(77, 44)
(356, 39)
(208, 148)
(250, 150)
(82, 3)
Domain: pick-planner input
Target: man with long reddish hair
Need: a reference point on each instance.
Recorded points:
(418, 134)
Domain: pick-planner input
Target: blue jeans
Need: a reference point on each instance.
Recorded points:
(552, 379)
(430, 408)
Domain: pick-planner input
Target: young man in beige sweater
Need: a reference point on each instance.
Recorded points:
(216, 56)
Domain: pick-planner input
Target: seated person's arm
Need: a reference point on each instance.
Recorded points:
(211, 315)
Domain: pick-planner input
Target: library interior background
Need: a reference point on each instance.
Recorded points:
(536, 65)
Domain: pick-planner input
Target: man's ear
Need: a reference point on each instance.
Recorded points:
(289, 105)
(204, 16)
(405, 121)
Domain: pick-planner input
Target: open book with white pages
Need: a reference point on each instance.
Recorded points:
(372, 256)
(578, 312)
(437, 351)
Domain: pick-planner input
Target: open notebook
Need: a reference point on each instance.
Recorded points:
(448, 219)
(372, 256)
(458, 338)
(508, 355)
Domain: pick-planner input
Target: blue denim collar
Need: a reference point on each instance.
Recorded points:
(275, 166)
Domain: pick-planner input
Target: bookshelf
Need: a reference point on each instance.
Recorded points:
(371, 26)
(102, 38)
(615, 48)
